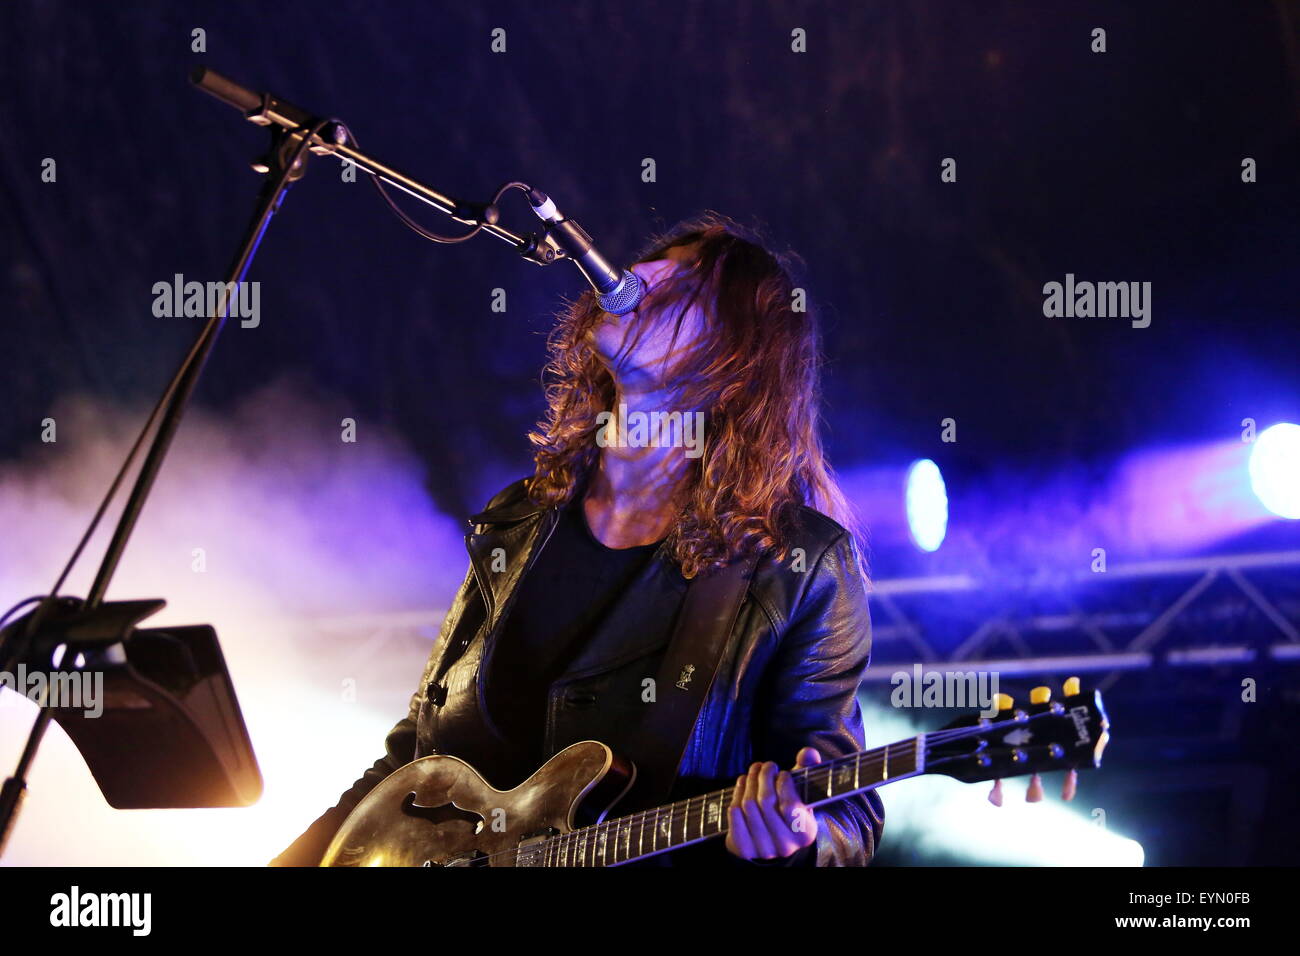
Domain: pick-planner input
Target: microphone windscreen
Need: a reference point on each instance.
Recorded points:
(625, 296)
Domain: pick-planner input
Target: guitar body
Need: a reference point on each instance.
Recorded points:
(438, 811)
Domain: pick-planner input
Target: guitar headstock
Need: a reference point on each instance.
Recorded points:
(1045, 735)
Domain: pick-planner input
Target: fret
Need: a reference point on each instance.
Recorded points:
(843, 775)
(714, 814)
(857, 770)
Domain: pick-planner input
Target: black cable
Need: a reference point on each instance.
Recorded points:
(6, 662)
(411, 223)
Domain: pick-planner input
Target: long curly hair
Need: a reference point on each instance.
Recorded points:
(756, 375)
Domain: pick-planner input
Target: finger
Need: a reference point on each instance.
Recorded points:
(754, 817)
(738, 792)
(802, 822)
(786, 793)
(739, 840)
(807, 757)
(778, 829)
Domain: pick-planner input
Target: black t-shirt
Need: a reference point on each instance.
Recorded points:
(573, 583)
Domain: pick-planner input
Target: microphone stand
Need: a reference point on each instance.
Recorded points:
(94, 623)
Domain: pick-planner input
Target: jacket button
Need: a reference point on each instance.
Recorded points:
(436, 694)
(579, 700)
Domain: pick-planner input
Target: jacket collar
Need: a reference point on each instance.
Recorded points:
(506, 513)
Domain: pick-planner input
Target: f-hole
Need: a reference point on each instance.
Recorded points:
(446, 813)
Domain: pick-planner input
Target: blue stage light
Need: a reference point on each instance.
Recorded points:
(1275, 469)
(927, 505)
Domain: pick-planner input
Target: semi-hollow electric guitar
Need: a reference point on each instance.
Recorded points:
(438, 811)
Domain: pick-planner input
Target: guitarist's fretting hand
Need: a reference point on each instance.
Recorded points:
(767, 819)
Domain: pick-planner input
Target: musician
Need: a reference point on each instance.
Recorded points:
(577, 572)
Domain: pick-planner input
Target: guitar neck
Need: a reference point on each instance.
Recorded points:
(651, 832)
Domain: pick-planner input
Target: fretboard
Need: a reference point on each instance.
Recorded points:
(640, 835)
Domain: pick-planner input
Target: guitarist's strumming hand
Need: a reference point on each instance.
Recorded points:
(767, 819)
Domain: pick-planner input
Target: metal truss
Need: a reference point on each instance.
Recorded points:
(1199, 612)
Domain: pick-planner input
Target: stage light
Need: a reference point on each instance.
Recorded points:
(1275, 469)
(927, 505)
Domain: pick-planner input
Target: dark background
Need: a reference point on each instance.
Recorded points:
(1122, 166)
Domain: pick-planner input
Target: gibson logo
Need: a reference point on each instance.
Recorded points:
(685, 679)
(1080, 717)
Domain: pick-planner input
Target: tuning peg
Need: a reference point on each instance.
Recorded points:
(1004, 701)
(1071, 687)
(995, 795)
(1040, 695)
(1070, 786)
(1035, 792)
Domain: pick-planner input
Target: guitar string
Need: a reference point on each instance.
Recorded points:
(681, 810)
(559, 845)
(818, 778)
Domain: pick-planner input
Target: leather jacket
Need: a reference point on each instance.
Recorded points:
(788, 677)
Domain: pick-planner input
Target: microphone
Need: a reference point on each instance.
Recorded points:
(618, 292)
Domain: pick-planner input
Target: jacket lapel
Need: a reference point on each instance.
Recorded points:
(500, 547)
